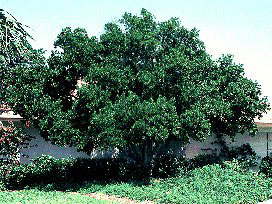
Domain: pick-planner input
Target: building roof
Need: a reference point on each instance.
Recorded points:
(9, 115)
(267, 118)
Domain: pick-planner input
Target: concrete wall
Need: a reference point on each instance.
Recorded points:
(258, 143)
(41, 147)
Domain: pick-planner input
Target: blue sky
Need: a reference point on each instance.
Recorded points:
(239, 27)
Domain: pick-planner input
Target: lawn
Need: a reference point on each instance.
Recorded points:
(35, 196)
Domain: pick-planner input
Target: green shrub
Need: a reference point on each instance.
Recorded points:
(47, 169)
(246, 156)
(266, 166)
(105, 169)
(244, 153)
(203, 160)
(15, 176)
(169, 165)
(227, 183)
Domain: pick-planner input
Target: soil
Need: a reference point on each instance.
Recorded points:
(115, 199)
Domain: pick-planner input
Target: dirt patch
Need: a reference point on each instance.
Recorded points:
(114, 199)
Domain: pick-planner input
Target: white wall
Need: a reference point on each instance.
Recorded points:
(42, 147)
(258, 143)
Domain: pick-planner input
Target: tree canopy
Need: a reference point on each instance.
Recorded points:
(143, 83)
(15, 53)
(15, 49)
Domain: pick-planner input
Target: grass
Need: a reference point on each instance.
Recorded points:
(35, 196)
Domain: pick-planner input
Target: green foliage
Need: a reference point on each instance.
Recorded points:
(48, 170)
(209, 184)
(244, 153)
(227, 183)
(14, 49)
(145, 83)
(229, 152)
(246, 156)
(266, 166)
(34, 196)
(203, 160)
(12, 140)
(15, 53)
(169, 165)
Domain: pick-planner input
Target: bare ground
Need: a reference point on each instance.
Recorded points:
(115, 199)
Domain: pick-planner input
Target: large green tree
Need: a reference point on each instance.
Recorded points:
(145, 83)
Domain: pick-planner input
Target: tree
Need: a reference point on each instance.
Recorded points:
(13, 46)
(145, 83)
(15, 52)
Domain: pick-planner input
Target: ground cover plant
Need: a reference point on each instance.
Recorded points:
(225, 183)
(209, 184)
